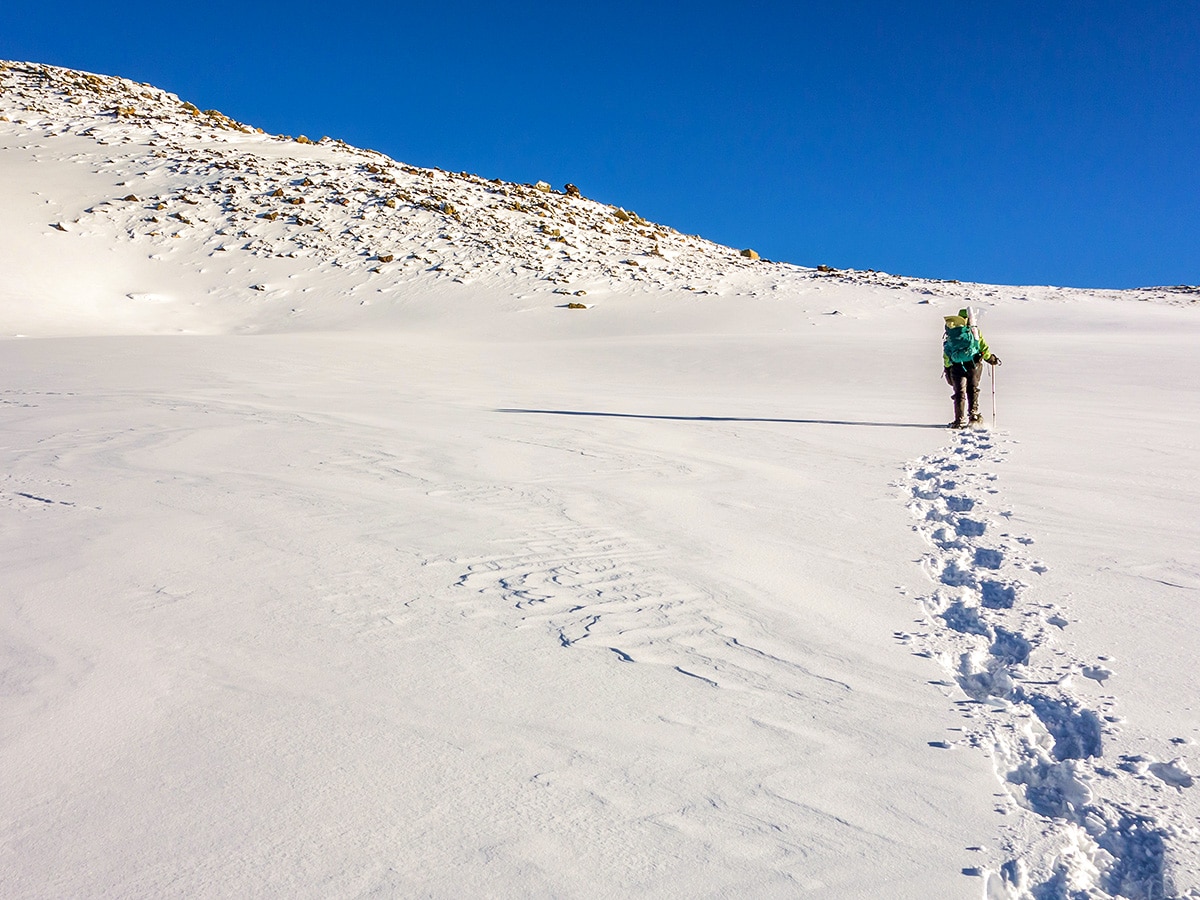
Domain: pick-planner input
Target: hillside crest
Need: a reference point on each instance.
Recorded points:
(195, 187)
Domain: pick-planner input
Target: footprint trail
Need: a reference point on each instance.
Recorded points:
(1079, 825)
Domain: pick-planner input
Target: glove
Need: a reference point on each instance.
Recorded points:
(994, 360)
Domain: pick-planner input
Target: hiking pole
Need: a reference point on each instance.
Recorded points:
(992, 376)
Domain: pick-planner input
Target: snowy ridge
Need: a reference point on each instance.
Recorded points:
(1088, 825)
(201, 175)
(194, 190)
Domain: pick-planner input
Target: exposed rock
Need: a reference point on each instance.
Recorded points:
(750, 254)
(385, 257)
(360, 201)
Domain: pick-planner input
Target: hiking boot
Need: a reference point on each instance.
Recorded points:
(957, 423)
(976, 419)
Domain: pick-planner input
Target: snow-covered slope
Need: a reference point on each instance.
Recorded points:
(181, 185)
(177, 207)
(344, 558)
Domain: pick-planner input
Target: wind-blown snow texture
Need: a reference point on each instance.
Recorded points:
(344, 558)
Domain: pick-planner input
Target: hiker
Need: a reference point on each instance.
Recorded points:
(964, 351)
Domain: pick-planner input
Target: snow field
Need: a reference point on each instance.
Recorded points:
(399, 578)
(273, 570)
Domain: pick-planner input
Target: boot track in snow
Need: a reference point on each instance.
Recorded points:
(1081, 825)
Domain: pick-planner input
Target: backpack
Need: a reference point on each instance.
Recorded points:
(960, 342)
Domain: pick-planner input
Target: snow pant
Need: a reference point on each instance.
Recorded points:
(965, 378)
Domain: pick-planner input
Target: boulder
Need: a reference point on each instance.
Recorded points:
(750, 254)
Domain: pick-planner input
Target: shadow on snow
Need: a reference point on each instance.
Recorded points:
(614, 415)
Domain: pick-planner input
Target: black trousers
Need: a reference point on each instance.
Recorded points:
(965, 378)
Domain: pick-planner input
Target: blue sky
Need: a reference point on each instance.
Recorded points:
(1015, 142)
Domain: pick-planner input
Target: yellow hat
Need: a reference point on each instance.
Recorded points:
(956, 321)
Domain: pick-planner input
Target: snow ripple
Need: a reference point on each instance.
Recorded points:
(587, 588)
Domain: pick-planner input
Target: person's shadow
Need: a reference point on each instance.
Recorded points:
(616, 415)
